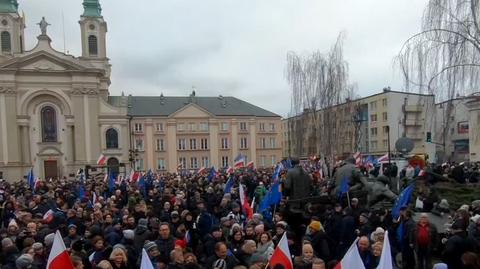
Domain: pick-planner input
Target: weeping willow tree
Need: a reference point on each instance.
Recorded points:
(317, 81)
(444, 57)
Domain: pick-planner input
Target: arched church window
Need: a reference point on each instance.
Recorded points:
(49, 124)
(92, 45)
(112, 138)
(6, 41)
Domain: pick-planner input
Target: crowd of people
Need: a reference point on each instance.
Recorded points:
(196, 221)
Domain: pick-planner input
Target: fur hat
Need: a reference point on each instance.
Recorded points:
(128, 234)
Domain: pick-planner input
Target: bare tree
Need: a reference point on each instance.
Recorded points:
(317, 81)
(444, 57)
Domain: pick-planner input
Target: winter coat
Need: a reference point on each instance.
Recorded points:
(165, 246)
(141, 235)
(319, 241)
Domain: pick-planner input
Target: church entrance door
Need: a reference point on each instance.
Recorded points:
(51, 169)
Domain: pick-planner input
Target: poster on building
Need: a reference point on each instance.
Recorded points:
(463, 127)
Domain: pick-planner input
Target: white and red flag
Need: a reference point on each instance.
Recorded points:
(102, 160)
(281, 254)
(59, 257)
(251, 165)
(48, 216)
(358, 158)
(352, 259)
(244, 201)
(230, 170)
(239, 162)
(383, 159)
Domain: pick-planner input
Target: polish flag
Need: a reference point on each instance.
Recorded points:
(358, 158)
(383, 159)
(351, 259)
(94, 198)
(239, 162)
(386, 258)
(244, 202)
(146, 263)
(202, 170)
(102, 160)
(251, 165)
(48, 216)
(422, 173)
(281, 255)
(230, 170)
(59, 257)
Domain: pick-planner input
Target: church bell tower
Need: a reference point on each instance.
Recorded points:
(12, 27)
(93, 30)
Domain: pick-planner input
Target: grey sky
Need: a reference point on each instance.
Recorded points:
(234, 47)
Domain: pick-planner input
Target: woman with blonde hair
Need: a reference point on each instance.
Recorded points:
(104, 265)
(118, 258)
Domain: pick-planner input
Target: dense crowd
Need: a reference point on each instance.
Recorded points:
(195, 221)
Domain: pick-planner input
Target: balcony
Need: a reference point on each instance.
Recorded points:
(413, 108)
(411, 122)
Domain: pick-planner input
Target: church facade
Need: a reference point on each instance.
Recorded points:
(53, 106)
(56, 114)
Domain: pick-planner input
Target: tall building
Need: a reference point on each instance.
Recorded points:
(362, 125)
(56, 114)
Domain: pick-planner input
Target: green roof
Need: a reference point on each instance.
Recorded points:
(8, 6)
(165, 106)
(92, 8)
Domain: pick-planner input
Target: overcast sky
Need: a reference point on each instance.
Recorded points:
(232, 47)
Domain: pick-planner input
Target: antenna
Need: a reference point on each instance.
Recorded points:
(63, 28)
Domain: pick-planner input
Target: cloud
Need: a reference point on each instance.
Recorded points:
(233, 47)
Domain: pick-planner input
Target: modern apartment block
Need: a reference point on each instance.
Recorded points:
(363, 125)
(196, 131)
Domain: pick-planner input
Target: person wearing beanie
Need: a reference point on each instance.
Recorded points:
(25, 261)
(39, 255)
(152, 250)
(72, 236)
(128, 242)
(319, 240)
(141, 234)
(9, 253)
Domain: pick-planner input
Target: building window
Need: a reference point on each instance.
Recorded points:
(181, 127)
(373, 145)
(193, 144)
(243, 143)
(161, 164)
(263, 143)
(139, 144)
(384, 116)
(205, 162)
(6, 42)
(262, 126)
(193, 163)
(272, 127)
(373, 117)
(373, 105)
(139, 165)
(243, 126)
(204, 143)
(385, 129)
(192, 126)
(160, 145)
(384, 102)
(273, 143)
(385, 143)
(182, 144)
(49, 124)
(183, 162)
(224, 143)
(224, 161)
(204, 126)
(274, 160)
(263, 159)
(138, 127)
(373, 131)
(93, 45)
(224, 126)
(159, 127)
(111, 137)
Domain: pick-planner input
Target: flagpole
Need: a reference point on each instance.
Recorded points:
(348, 199)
